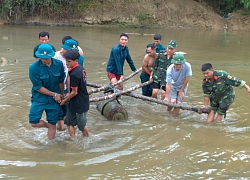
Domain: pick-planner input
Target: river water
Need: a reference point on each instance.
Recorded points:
(151, 144)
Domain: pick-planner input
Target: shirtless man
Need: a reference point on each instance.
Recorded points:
(147, 63)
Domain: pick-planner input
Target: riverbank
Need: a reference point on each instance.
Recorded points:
(144, 14)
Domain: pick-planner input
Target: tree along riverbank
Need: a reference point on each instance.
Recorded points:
(126, 13)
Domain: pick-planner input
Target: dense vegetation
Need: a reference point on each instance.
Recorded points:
(224, 7)
(19, 10)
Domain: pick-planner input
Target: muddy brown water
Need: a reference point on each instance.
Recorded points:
(151, 144)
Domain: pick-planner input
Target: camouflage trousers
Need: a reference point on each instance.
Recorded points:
(222, 105)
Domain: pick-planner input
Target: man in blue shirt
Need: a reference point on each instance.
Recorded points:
(159, 48)
(177, 79)
(47, 77)
(118, 54)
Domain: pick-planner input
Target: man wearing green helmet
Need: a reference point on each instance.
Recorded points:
(177, 78)
(217, 86)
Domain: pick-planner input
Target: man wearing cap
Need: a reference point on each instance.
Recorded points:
(159, 68)
(177, 79)
(65, 38)
(147, 63)
(218, 89)
(68, 44)
(118, 55)
(47, 76)
(44, 39)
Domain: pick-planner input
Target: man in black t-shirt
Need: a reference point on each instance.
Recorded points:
(78, 96)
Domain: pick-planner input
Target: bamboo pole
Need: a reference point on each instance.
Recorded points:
(128, 92)
(103, 88)
(118, 92)
(158, 101)
(94, 85)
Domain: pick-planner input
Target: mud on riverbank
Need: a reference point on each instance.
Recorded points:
(145, 14)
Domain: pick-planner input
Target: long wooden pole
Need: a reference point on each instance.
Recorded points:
(103, 88)
(118, 92)
(128, 92)
(158, 101)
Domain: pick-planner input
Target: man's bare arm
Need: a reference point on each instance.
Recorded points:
(145, 65)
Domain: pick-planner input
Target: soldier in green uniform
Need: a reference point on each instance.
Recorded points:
(159, 68)
(217, 86)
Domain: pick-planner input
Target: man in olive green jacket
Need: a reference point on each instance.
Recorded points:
(217, 86)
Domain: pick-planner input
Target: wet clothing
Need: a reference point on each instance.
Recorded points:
(52, 111)
(36, 48)
(48, 77)
(158, 86)
(159, 68)
(64, 107)
(79, 103)
(174, 94)
(76, 119)
(117, 59)
(146, 90)
(177, 78)
(111, 76)
(220, 90)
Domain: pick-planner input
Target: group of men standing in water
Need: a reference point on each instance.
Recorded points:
(59, 81)
(170, 72)
(58, 87)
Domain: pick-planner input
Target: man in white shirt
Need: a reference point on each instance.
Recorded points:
(177, 78)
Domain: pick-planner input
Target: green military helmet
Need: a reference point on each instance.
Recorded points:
(172, 44)
(178, 59)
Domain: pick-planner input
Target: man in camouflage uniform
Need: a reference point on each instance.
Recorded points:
(159, 68)
(218, 89)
